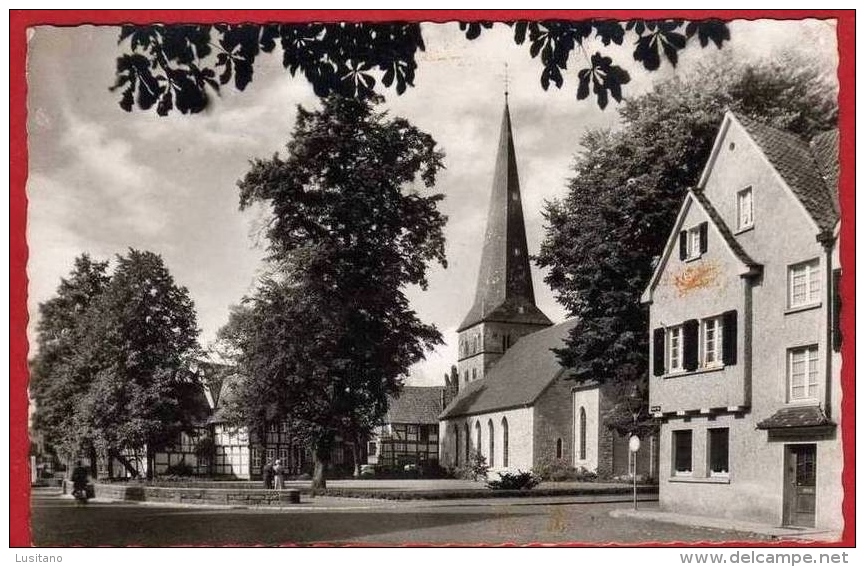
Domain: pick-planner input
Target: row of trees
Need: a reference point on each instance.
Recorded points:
(110, 373)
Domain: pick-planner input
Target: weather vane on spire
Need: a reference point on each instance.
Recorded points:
(506, 81)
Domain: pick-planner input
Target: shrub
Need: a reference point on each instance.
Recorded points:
(558, 470)
(515, 481)
(475, 468)
(181, 469)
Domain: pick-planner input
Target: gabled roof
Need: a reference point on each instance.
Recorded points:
(519, 376)
(416, 404)
(747, 265)
(810, 171)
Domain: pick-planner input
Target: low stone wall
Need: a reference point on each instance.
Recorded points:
(183, 495)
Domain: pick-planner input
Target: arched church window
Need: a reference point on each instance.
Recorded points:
(478, 437)
(492, 436)
(468, 441)
(475, 344)
(559, 448)
(474, 373)
(582, 433)
(504, 441)
(456, 433)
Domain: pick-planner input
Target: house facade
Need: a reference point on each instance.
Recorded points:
(410, 433)
(744, 338)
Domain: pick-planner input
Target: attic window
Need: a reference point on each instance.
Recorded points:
(693, 242)
(745, 208)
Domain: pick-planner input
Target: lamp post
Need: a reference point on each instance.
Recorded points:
(634, 404)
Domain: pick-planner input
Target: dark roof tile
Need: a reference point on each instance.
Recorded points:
(796, 416)
(793, 159)
(416, 404)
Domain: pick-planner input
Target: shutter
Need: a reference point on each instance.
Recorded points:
(683, 245)
(730, 339)
(704, 237)
(691, 338)
(836, 310)
(659, 352)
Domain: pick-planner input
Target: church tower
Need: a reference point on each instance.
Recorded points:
(504, 308)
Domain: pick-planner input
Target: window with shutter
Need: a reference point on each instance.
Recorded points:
(692, 242)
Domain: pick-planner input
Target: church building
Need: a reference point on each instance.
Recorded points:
(513, 402)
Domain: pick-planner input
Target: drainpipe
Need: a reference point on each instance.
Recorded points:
(747, 337)
(828, 240)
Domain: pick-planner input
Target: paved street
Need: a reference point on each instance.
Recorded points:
(58, 521)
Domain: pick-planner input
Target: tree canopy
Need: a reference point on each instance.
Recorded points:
(54, 384)
(180, 66)
(330, 334)
(628, 184)
(120, 382)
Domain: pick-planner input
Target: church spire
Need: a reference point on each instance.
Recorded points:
(504, 288)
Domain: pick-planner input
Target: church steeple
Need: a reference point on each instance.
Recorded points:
(504, 307)
(504, 287)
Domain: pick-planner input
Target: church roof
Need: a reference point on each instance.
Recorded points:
(810, 170)
(504, 287)
(416, 404)
(519, 376)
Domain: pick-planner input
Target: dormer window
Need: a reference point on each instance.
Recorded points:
(745, 209)
(693, 242)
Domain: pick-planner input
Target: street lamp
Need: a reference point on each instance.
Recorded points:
(634, 404)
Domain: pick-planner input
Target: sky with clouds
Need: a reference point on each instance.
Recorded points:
(102, 180)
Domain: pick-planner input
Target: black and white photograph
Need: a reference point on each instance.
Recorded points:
(541, 279)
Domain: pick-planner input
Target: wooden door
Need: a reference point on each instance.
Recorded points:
(800, 484)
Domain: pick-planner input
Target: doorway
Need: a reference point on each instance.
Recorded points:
(800, 484)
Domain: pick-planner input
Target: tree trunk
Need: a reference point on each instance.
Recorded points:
(321, 458)
(355, 457)
(151, 461)
(126, 464)
(94, 468)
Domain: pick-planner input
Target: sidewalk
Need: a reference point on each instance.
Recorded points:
(775, 532)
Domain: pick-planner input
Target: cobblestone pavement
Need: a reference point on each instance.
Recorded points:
(58, 521)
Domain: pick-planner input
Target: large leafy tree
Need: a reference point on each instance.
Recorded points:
(111, 371)
(180, 66)
(330, 334)
(628, 184)
(54, 384)
(139, 341)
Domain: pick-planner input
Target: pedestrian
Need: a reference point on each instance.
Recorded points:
(267, 475)
(279, 475)
(79, 482)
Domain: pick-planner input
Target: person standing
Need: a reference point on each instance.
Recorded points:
(279, 474)
(267, 475)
